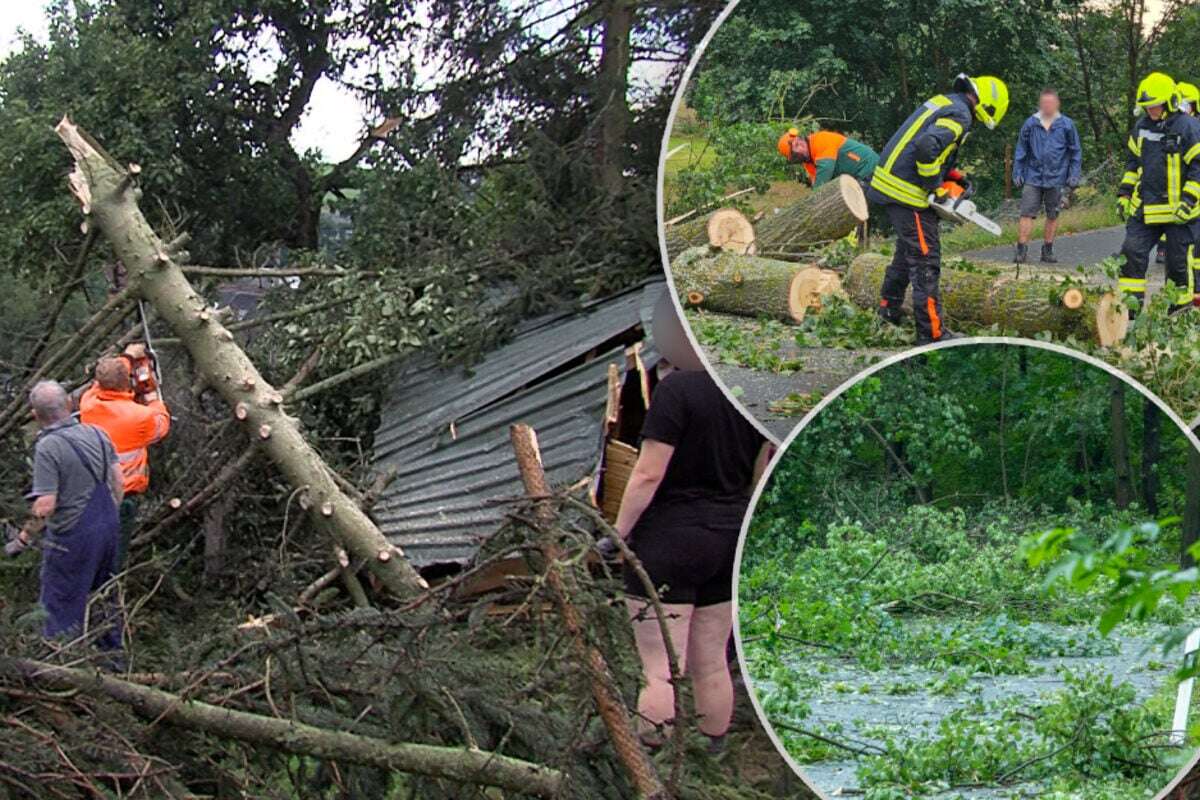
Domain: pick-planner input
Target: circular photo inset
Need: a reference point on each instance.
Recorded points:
(971, 575)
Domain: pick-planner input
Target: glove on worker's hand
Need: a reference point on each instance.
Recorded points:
(1186, 211)
(1074, 181)
(1124, 206)
(15, 544)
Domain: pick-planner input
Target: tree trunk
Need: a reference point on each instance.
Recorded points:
(822, 216)
(1023, 306)
(109, 197)
(1151, 448)
(1119, 443)
(725, 229)
(612, 94)
(465, 764)
(1191, 509)
(642, 774)
(749, 286)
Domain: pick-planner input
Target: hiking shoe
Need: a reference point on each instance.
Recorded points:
(716, 744)
(1048, 254)
(945, 337)
(1022, 254)
(892, 316)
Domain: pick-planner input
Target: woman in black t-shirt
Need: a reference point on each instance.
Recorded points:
(682, 512)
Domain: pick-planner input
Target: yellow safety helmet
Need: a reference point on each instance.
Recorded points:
(1188, 93)
(1158, 89)
(785, 143)
(993, 97)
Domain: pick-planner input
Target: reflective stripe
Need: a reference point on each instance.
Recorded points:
(931, 105)
(898, 189)
(1135, 146)
(1174, 179)
(935, 324)
(921, 235)
(1159, 213)
(1192, 188)
(1132, 284)
(1154, 136)
(1129, 177)
(1192, 152)
(952, 124)
(933, 168)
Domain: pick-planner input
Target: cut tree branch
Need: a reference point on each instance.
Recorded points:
(466, 764)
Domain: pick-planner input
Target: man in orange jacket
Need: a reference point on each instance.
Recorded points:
(133, 420)
(827, 154)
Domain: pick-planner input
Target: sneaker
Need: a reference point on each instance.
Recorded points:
(1048, 254)
(1022, 254)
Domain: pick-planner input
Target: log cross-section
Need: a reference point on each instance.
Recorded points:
(109, 197)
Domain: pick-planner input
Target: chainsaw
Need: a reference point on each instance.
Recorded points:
(962, 209)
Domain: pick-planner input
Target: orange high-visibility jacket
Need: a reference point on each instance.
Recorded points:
(132, 427)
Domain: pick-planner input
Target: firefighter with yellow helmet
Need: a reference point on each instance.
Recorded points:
(1189, 98)
(919, 161)
(1159, 193)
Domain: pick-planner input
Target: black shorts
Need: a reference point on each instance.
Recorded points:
(687, 553)
(1034, 198)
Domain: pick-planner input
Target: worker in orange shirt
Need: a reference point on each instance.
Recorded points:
(827, 154)
(124, 402)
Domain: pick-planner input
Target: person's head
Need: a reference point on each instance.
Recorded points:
(1048, 102)
(988, 96)
(1189, 98)
(670, 337)
(113, 373)
(793, 146)
(49, 402)
(1157, 95)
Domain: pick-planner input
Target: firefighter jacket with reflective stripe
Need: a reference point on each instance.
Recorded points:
(831, 154)
(132, 427)
(1162, 169)
(922, 151)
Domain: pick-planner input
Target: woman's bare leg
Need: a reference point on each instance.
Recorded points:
(656, 703)
(709, 668)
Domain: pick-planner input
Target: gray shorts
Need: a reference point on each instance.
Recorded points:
(1034, 198)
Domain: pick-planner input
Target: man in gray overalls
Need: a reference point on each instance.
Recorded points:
(77, 485)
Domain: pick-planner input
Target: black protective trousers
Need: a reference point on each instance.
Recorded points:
(1140, 239)
(918, 260)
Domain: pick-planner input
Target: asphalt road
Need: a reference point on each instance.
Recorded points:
(1072, 250)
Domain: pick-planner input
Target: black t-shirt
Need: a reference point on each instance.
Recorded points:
(715, 446)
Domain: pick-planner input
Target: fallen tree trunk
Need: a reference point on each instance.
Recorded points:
(1027, 306)
(750, 286)
(725, 229)
(108, 195)
(466, 764)
(822, 216)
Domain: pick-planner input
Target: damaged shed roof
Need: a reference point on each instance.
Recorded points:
(445, 431)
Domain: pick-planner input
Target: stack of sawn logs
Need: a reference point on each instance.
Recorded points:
(727, 263)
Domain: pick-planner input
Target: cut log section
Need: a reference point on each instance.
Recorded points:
(751, 286)
(724, 229)
(1026, 306)
(821, 216)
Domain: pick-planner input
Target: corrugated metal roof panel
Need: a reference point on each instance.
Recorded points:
(446, 431)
